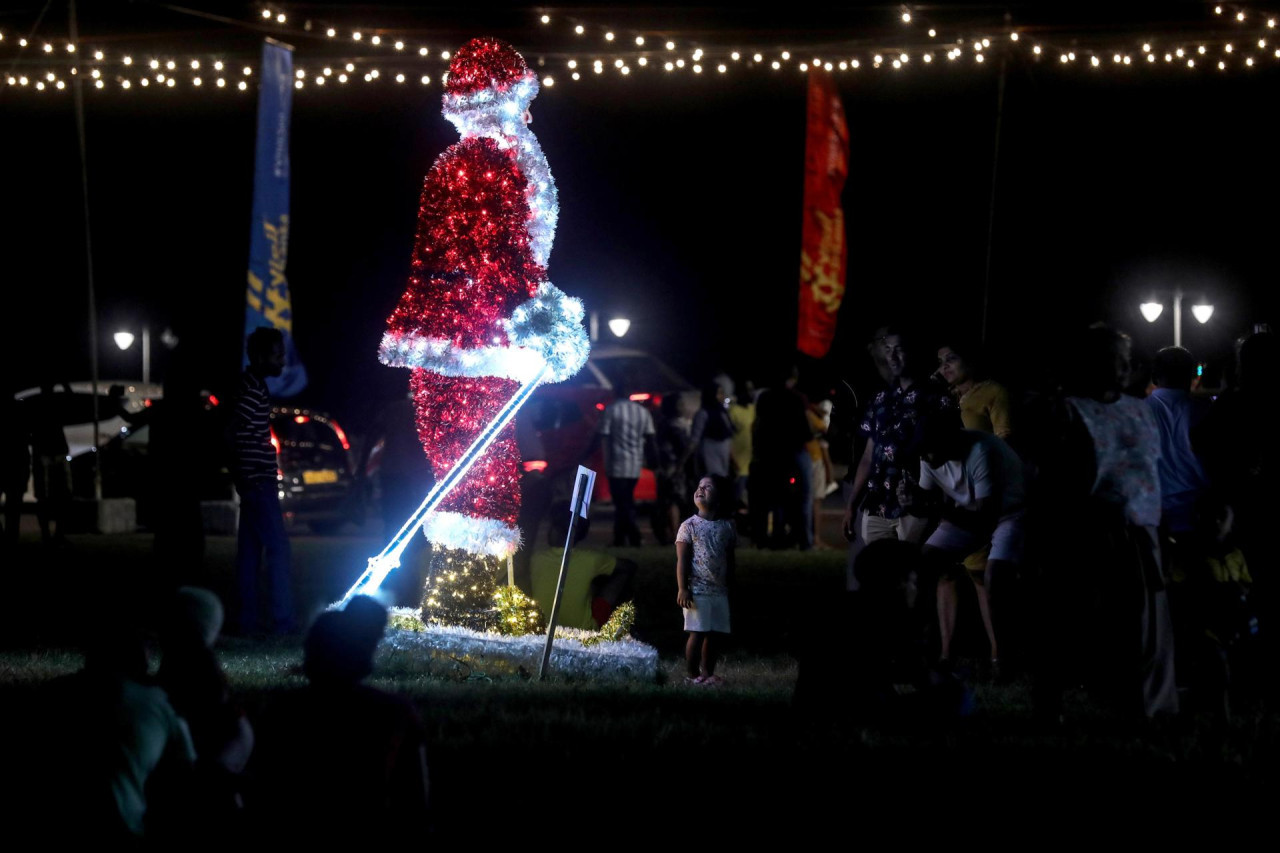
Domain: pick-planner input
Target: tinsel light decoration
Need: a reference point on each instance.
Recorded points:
(460, 590)
(453, 652)
(463, 590)
(517, 614)
(479, 317)
(618, 626)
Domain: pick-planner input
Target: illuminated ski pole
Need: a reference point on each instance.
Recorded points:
(387, 561)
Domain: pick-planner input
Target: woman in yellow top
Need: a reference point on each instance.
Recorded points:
(984, 406)
(984, 403)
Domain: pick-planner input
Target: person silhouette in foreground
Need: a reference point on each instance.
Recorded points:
(198, 690)
(352, 756)
(111, 741)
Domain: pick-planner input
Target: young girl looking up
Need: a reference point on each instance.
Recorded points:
(704, 571)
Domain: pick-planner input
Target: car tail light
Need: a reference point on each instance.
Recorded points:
(599, 407)
(640, 398)
(213, 400)
(533, 465)
(342, 436)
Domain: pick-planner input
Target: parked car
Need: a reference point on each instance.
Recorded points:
(317, 474)
(122, 405)
(73, 402)
(565, 415)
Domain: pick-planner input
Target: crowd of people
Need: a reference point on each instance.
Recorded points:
(173, 758)
(1110, 532)
(1111, 527)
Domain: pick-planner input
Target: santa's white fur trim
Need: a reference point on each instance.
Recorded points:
(512, 98)
(441, 355)
(484, 536)
(551, 324)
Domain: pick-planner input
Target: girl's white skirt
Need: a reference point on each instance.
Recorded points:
(709, 613)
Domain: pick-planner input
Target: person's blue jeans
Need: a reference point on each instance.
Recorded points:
(802, 465)
(262, 529)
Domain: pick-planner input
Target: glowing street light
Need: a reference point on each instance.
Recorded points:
(620, 325)
(1151, 312)
(124, 340)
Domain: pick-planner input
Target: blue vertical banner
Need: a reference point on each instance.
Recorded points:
(267, 301)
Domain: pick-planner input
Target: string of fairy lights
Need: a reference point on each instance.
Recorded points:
(330, 55)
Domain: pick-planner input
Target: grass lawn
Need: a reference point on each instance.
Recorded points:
(633, 758)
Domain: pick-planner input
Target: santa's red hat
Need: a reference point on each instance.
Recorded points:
(487, 73)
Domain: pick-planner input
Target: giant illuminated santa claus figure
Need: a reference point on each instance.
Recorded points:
(479, 317)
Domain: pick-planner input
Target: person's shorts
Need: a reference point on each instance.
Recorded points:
(709, 613)
(1005, 541)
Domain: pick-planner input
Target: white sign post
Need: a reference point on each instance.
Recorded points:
(583, 485)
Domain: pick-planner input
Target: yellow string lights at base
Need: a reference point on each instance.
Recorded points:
(470, 591)
(1229, 38)
(460, 588)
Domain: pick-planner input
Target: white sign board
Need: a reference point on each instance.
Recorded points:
(577, 484)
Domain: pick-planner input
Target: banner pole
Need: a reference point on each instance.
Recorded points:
(78, 100)
(991, 206)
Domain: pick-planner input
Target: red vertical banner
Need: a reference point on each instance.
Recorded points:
(823, 252)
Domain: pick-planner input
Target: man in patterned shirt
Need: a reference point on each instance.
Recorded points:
(254, 467)
(627, 432)
(890, 463)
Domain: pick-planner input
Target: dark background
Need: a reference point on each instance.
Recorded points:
(680, 205)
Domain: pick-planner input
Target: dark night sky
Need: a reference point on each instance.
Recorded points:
(680, 207)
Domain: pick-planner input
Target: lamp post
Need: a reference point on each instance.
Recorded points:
(124, 340)
(1152, 310)
(617, 325)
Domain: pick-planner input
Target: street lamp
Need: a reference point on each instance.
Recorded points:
(619, 326)
(1151, 312)
(124, 340)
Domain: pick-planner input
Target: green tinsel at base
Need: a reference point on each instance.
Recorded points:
(618, 626)
(517, 613)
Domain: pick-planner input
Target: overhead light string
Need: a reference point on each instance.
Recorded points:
(1241, 39)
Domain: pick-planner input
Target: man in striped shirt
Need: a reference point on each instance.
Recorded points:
(254, 467)
(626, 429)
